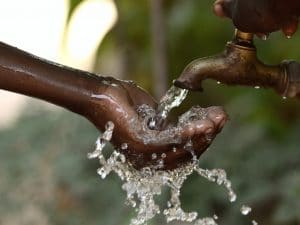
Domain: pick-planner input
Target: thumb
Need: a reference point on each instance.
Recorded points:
(223, 8)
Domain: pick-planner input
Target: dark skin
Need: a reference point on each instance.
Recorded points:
(261, 16)
(103, 99)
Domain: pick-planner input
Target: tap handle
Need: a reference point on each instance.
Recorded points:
(241, 36)
(292, 69)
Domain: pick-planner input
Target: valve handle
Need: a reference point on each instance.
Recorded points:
(241, 36)
(292, 69)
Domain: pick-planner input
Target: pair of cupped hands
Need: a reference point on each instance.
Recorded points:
(256, 16)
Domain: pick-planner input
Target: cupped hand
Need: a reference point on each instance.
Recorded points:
(261, 16)
(130, 108)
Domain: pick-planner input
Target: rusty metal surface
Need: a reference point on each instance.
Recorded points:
(239, 65)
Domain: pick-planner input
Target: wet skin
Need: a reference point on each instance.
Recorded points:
(261, 16)
(103, 99)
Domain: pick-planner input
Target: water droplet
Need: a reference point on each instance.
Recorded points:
(264, 37)
(93, 155)
(288, 36)
(122, 158)
(130, 201)
(245, 210)
(109, 126)
(154, 156)
(169, 204)
(152, 124)
(133, 204)
(102, 172)
(257, 87)
(218, 82)
(284, 98)
(206, 221)
(163, 155)
(124, 146)
(232, 197)
(161, 164)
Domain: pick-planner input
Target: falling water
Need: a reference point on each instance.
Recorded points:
(245, 210)
(173, 98)
(143, 185)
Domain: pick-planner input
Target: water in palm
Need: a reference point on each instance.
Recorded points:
(143, 185)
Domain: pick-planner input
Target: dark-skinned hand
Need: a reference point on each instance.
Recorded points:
(261, 16)
(122, 101)
(104, 99)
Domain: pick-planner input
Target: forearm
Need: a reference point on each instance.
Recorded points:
(26, 74)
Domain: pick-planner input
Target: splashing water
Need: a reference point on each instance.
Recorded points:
(102, 141)
(143, 185)
(219, 176)
(245, 210)
(173, 98)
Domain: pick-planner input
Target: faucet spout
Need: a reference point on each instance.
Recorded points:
(239, 65)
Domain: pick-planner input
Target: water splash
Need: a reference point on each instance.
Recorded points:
(245, 210)
(218, 176)
(102, 141)
(143, 185)
(173, 98)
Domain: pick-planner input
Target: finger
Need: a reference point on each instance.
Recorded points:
(197, 128)
(203, 137)
(218, 116)
(290, 27)
(223, 8)
(218, 9)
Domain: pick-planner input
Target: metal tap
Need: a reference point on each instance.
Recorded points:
(239, 65)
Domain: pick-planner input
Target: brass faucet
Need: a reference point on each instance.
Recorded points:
(239, 65)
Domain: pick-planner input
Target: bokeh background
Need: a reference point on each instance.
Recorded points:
(45, 177)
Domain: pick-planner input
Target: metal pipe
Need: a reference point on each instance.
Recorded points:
(239, 65)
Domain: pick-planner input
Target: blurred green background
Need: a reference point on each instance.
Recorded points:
(45, 177)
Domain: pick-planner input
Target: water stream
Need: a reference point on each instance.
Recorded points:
(173, 98)
(143, 185)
